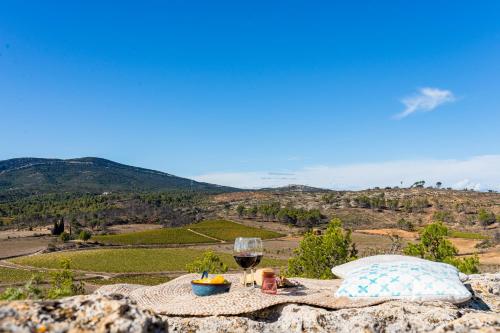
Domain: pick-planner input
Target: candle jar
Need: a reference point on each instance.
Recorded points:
(269, 285)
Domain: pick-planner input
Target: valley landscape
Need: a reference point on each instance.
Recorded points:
(249, 167)
(149, 235)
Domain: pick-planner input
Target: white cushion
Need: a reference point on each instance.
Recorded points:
(343, 270)
(413, 281)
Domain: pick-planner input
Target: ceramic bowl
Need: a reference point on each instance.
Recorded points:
(207, 289)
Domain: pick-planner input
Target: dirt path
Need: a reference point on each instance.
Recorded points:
(387, 232)
(207, 236)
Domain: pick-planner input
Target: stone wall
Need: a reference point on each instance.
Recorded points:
(93, 313)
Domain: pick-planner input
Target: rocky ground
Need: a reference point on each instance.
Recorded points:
(93, 313)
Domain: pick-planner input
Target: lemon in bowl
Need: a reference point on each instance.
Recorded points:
(210, 286)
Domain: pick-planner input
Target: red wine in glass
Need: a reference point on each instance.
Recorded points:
(257, 260)
(245, 254)
(246, 260)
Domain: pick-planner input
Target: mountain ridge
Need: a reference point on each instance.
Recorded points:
(31, 175)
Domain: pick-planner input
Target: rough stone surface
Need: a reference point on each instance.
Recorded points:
(116, 314)
(79, 314)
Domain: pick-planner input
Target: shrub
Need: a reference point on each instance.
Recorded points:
(377, 202)
(406, 225)
(62, 285)
(486, 218)
(443, 216)
(252, 211)
(392, 204)
(469, 265)
(363, 201)
(63, 282)
(84, 235)
(434, 246)
(317, 254)
(64, 237)
(208, 262)
(416, 206)
(30, 290)
(240, 210)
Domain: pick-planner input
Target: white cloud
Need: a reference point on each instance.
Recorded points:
(479, 172)
(426, 100)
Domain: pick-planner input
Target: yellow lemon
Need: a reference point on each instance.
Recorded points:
(218, 279)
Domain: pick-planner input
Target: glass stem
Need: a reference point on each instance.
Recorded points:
(244, 277)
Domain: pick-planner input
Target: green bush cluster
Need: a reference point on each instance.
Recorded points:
(417, 205)
(84, 235)
(62, 284)
(274, 212)
(209, 262)
(64, 237)
(443, 216)
(485, 217)
(406, 225)
(317, 254)
(434, 246)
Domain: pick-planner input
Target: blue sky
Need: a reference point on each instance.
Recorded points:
(258, 93)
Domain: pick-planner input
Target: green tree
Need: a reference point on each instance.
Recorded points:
(208, 262)
(240, 210)
(317, 254)
(434, 246)
(418, 184)
(58, 227)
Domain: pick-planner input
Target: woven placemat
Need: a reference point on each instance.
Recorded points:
(176, 298)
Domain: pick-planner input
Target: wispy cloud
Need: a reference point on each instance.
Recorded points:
(427, 99)
(479, 172)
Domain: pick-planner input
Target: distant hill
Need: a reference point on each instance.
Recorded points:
(295, 188)
(20, 176)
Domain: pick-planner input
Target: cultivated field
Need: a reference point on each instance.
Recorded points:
(12, 275)
(129, 260)
(152, 237)
(228, 231)
(210, 231)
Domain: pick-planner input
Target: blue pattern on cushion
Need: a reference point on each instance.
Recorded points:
(404, 280)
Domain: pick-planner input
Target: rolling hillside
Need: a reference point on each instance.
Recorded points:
(95, 175)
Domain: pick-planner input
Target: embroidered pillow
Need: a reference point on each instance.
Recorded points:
(414, 281)
(342, 271)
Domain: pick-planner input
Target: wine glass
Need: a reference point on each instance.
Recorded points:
(259, 252)
(245, 254)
